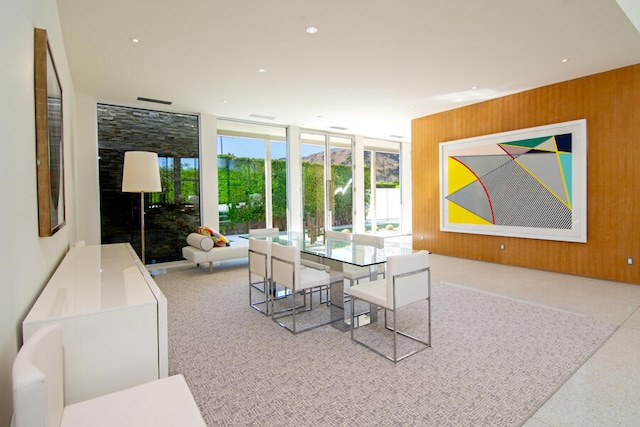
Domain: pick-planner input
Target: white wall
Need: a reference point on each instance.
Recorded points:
(209, 172)
(26, 260)
(86, 167)
(405, 177)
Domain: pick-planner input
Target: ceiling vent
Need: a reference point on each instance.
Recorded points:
(261, 116)
(338, 128)
(155, 101)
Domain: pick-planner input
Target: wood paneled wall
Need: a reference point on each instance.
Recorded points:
(610, 102)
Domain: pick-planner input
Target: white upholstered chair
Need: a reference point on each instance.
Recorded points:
(264, 232)
(373, 240)
(301, 280)
(38, 394)
(408, 281)
(352, 273)
(259, 273)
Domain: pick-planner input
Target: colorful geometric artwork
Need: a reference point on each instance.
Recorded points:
(527, 183)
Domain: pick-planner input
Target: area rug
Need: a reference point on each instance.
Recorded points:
(493, 360)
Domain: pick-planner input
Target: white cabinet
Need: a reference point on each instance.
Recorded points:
(113, 317)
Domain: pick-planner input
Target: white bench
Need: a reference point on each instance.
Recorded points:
(200, 252)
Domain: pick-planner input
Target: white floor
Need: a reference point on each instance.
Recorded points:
(605, 390)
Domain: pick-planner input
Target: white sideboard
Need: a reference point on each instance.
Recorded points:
(113, 318)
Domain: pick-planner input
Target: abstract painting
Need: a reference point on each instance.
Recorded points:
(527, 183)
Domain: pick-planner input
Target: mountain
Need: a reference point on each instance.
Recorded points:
(387, 164)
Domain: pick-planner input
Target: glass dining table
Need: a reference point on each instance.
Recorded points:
(336, 253)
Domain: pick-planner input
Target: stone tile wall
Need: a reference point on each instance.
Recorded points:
(168, 220)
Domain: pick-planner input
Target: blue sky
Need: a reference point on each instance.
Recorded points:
(248, 147)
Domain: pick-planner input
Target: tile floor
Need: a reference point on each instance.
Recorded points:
(605, 390)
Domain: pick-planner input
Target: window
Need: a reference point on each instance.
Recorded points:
(251, 176)
(312, 150)
(341, 191)
(327, 181)
(382, 167)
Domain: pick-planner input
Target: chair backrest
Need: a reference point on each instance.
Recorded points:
(262, 232)
(285, 265)
(411, 287)
(369, 239)
(337, 235)
(38, 380)
(260, 257)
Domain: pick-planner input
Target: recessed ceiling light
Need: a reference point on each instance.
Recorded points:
(565, 60)
(262, 70)
(312, 30)
(474, 87)
(134, 40)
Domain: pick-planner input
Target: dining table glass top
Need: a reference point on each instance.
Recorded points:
(355, 253)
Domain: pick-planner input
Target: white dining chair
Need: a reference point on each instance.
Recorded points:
(374, 240)
(351, 272)
(408, 281)
(287, 271)
(264, 232)
(259, 274)
(38, 394)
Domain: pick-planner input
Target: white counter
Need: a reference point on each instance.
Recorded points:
(113, 316)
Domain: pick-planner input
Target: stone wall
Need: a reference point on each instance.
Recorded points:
(168, 219)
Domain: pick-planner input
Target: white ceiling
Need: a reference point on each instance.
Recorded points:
(372, 67)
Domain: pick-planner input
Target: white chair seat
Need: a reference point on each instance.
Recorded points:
(335, 275)
(374, 292)
(166, 402)
(38, 394)
(312, 278)
(354, 273)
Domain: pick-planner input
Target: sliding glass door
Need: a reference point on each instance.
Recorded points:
(313, 149)
(341, 183)
(383, 201)
(251, 176)
(327, 182)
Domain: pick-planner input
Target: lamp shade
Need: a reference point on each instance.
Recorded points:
(141, 173)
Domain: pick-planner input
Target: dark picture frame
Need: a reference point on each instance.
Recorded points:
(49, 138)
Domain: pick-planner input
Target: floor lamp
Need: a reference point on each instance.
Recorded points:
(141, 174)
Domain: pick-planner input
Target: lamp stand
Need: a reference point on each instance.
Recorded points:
(142, 226)
(141, 174)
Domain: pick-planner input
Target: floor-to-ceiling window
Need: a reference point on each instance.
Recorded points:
(251, 176)
(327, 181)
(341, 189)
(313, 153)
(169, 215)
(383, 205)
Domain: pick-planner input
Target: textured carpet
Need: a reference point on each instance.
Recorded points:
(494, 360)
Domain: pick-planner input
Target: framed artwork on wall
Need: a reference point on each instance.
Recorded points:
(49, 138)
(529, 183)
